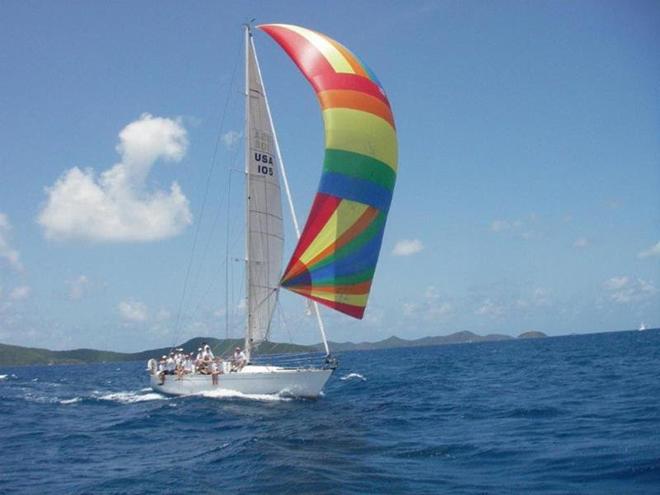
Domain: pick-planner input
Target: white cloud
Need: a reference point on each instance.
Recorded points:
(7, 252)
(539, 297)
(624, 289)
(616, 283)
(133, 311)
(581, 242)
(78, 287)
(430, 307)
(116, 205)
(650, 252)
(230, 138)
(407, 247)
(20, 293)
(516, 227)
(490, 308)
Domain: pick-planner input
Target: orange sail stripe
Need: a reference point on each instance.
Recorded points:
(357, 100)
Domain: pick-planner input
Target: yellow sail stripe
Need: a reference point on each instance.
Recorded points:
(344, 217)
(334, 57)
(360, 132)
(353, 299)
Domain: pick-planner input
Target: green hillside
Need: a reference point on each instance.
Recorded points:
(12, 355)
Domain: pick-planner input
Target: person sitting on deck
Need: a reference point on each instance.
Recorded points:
(239, 360)
(206, 351)
(170, 365)
(161, 369)
(189, 364)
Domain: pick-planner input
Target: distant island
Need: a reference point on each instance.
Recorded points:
(12, 355)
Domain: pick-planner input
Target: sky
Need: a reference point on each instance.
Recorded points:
(527, 196)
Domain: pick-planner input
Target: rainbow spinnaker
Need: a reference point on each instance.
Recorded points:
(336, 255)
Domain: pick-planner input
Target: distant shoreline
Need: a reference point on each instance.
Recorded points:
(12, 355)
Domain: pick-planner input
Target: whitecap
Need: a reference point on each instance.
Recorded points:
(70, 401)
(352, 376)
(131, 397)
(222, 393)
(4, 377)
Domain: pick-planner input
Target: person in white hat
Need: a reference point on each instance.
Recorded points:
(239, 360)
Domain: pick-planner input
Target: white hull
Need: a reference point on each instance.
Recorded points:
(291, 382)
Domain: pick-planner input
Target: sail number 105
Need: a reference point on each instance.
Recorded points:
(264, 163)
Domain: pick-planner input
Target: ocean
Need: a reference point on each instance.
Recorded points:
(577, 414)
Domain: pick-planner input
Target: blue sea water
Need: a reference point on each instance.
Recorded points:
(561, 415)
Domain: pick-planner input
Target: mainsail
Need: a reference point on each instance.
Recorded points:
(264, 208)
(336, 255)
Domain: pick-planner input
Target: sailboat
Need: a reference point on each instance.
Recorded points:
(642, 327)
(335, 258)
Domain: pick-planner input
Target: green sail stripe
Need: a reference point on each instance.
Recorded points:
(349, 279)
(359, 166)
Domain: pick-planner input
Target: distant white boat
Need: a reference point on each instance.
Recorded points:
(642, 327)
(337, 251)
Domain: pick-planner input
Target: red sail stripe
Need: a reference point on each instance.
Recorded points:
(325, 82)
(309, 59)
(322, 209)
(351, 233)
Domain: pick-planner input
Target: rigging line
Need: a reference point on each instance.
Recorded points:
(204, 199)
(201, 299)
(216, 218)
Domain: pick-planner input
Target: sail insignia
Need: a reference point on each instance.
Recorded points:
(336, 255)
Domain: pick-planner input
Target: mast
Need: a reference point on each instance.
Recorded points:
(292, 210)
(264, 228)
(246, 140)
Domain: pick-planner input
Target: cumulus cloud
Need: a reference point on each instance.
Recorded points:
(7, 252)
(653, 251)
(624, 289)
(133, 311)
(407, 247)
(490, 308)
(116, 206)
(20, 293)
(230, 138)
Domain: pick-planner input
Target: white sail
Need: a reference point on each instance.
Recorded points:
(264, 209)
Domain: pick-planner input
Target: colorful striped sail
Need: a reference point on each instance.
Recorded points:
(336, 255)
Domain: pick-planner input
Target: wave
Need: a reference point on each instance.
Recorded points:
(353, 376)
(232, 394)
(4, 377)
(70, 401)
(132, 397)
